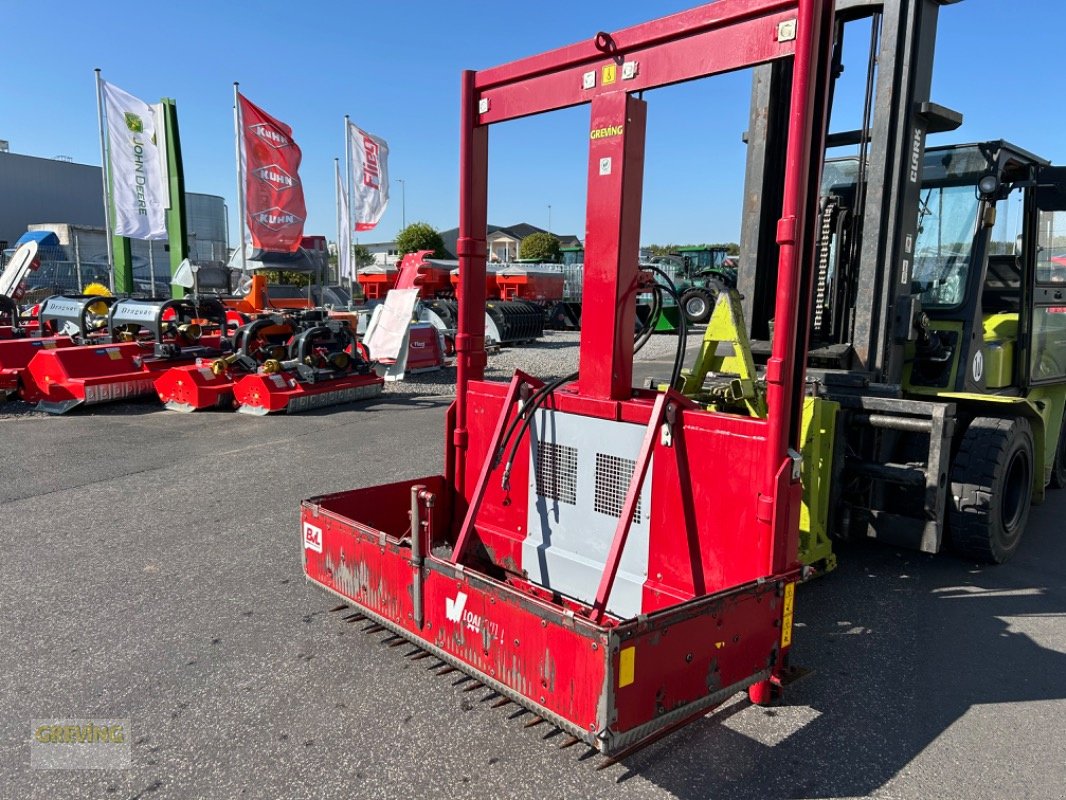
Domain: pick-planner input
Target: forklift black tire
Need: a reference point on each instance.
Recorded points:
(991, 488)
(1058, 466)
(697, 304)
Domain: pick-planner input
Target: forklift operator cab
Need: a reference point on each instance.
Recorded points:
(979, 314)
(983, 252)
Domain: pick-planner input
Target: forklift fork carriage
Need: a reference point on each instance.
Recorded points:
(612, 583)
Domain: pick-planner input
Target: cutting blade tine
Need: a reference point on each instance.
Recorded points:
(354, 617)
(399, 640)
(414, 653)
(570, 742)
(473, 687)
(448, 670)
(534, 721)
(501, 702)
(607, 762)
(374, 628)
(420, 656)
(341, 607)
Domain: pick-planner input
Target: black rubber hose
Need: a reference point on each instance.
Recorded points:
(525, 417)
(534, 400)
(682, 332)
(540, 397)
(653, 319)
(532, 403)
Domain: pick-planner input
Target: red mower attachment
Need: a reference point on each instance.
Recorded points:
(61, 322)
(324, 368)
(584, 553)
(209, 382)
(146, 338)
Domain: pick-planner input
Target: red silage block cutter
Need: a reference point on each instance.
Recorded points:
(582, 555)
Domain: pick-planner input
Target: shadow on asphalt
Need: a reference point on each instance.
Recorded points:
(150, 405)
(901, 646)
(384, 403)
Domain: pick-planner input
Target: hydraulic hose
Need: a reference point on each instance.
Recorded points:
(682, 332)
(534, 400)
(530, 410)
(653, 319)
(524, 419)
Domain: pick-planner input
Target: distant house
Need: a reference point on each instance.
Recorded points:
(503, 243)
(384, 253)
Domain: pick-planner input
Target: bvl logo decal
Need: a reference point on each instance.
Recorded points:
(313, 538)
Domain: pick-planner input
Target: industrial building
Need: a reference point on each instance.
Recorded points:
(39, 192)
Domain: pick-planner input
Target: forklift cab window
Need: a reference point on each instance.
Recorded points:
(946, 226)
(1048, 350)
(1002, 290)
(1010, 216)
(1051, 252)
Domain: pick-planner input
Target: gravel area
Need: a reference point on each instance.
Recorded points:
(551, 357)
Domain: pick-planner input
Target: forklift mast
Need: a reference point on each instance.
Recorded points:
(875, 307)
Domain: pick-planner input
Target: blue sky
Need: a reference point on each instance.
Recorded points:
(394, 67)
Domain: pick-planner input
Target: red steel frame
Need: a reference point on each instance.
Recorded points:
(722, 562)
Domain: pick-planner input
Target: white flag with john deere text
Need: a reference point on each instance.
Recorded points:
(138, 188)
(370, 177)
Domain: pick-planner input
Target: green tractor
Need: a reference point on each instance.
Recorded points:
(699, 274)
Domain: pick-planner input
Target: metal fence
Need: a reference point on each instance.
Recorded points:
(573, 277)
(59, 273)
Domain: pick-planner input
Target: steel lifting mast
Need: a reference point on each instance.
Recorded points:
(869, 321)
(615, 584)
(898, 114)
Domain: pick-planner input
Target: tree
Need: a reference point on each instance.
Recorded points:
(732, 248)
(542, 247)
(362, 256)
(661, 249)
(284, 277)
(420, 236)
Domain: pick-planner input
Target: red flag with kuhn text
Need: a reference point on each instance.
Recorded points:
(274, 196)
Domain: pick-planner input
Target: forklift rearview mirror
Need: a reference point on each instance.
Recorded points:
(1051, 197)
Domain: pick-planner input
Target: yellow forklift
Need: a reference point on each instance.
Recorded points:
(937, 358)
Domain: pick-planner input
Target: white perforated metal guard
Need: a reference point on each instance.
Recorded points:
(556, 472)
(579, 472)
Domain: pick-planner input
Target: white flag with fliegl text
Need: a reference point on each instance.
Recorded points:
(370, 177)
(138, 186)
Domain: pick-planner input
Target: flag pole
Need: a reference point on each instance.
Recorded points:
(240, 174)
(338, 186)
(348, 195)
(105, 171)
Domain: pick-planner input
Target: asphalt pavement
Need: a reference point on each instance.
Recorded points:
(151, 571)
